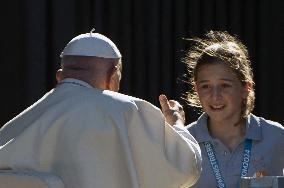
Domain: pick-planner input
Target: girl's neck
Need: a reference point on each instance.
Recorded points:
(230, 133)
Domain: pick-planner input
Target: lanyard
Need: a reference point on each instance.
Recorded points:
(215, 166)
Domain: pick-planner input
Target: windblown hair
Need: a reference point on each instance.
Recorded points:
(220, 47)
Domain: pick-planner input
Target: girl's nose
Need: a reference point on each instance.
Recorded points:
(216, 92)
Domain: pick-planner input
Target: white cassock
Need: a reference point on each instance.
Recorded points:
(93, 138)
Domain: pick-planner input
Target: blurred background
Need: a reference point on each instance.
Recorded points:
(150, 35)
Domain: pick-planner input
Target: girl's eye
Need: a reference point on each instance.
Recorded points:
(226, 85)
(205, 86)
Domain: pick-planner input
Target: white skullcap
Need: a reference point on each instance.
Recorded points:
(91, 44)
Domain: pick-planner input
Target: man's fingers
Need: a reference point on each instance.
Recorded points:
(164, 102)
(172, 103)
(175, 105)
(172, 110)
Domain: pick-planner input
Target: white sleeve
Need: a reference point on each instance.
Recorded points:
(164, 156)
(185, 151)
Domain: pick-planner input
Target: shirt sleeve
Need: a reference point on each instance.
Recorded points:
(163, 155)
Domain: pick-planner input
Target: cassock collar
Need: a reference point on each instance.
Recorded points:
(75, 82)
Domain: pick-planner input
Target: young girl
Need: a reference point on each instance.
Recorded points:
(234, 143)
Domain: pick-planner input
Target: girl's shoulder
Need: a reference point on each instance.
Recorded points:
(269, 128)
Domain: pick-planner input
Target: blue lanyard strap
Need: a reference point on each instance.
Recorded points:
(215, 166)
(246, 157)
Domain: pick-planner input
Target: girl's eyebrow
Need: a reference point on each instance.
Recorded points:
(228, 79)
(223, 79)
(202, 81)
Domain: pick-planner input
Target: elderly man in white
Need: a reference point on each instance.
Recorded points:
(90, 136)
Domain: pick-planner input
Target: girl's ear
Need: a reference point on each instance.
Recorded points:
(59, 75)
(246, 89)
(195, 87)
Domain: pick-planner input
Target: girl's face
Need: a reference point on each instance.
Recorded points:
(220, 92)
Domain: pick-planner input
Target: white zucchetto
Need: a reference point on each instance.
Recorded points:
(91, 44)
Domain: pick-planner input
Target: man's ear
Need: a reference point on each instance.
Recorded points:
(109, 74)
(59, 75)
(113, 78)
